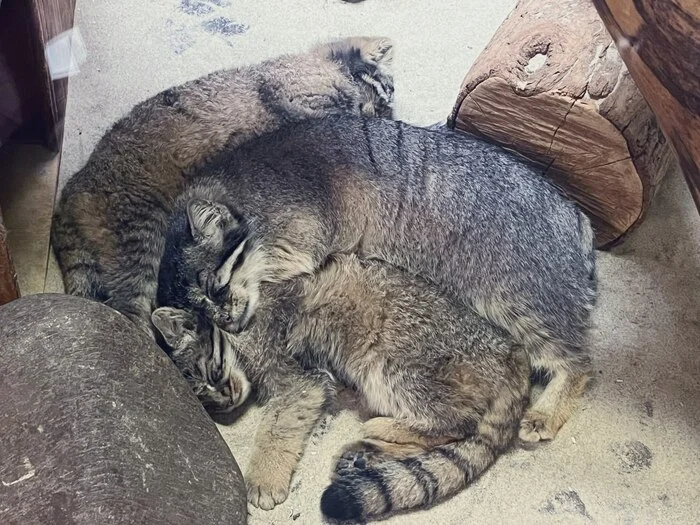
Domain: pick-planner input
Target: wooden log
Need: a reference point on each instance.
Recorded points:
(659, 41)
(552, 86)
(98, 425)
(9, 289)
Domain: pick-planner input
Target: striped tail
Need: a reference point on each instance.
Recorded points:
(374, 478)
(369, 482)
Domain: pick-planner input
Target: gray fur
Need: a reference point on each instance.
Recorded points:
(109, 226)
(449, 388)
(472, 218)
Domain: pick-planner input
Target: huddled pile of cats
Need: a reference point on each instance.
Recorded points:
(450, 387)
(471, 218)
(108, 229)
(507, 261)
(291, 241)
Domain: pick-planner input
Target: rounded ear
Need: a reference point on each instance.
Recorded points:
(206, 219)
(379, 50)
(173, 324)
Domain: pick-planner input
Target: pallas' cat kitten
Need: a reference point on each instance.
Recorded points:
(448, 388)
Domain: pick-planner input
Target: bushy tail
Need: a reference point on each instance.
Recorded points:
(391, 484)
(374, 478)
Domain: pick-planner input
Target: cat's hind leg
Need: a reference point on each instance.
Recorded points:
(567, 383)
(374, 477)
(565, 364)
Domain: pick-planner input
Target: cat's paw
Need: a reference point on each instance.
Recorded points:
(369, 454)
(265, 494)
(357, 456)
(537, 426)
(269, 476)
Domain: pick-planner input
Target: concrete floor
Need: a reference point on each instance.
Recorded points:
(630, 454)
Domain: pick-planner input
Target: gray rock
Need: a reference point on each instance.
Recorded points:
(99, 427)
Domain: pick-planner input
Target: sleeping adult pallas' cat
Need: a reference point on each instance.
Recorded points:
(473, 219)
(447, 387)
(109, 225)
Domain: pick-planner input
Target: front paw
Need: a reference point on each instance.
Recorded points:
(269, 476)
(536, 427)
(267, 493)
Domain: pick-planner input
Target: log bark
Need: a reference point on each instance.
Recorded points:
(552, 86)
(659, 41)
(9, 289)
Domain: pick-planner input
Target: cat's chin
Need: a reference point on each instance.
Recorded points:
(242, 388)
(221, 410)
(214, 409)
(229, 415)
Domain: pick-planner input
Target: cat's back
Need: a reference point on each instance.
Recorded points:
(364, 302)
(167, 132)
(402, 175)
(185, 125)
(395, 161)
(380, 145)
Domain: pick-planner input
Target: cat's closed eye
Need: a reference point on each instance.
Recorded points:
(219, 294)
(216, 375)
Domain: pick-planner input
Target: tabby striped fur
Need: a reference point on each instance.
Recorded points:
(477, 221)
(448, 387)
(109, 225)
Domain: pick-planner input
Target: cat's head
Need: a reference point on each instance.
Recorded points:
(205, 357)
(212, 263)
(368, 61)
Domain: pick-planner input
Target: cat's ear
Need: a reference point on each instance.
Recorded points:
(375, 51)
(204, 218)
(208, 219)
(379, 50)
(174, 325)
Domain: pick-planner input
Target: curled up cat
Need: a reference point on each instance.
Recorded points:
(108, 230)
(448, 388)
(476, 221)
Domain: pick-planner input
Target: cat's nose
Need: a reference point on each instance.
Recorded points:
(226, 391)
(230, 391)
(234, 393)
(229, 324)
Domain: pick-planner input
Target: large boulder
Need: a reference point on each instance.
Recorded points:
(99, 427)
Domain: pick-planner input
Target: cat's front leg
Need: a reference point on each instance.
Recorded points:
(287, 422)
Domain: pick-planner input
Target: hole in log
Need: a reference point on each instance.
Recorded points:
(536, 62)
